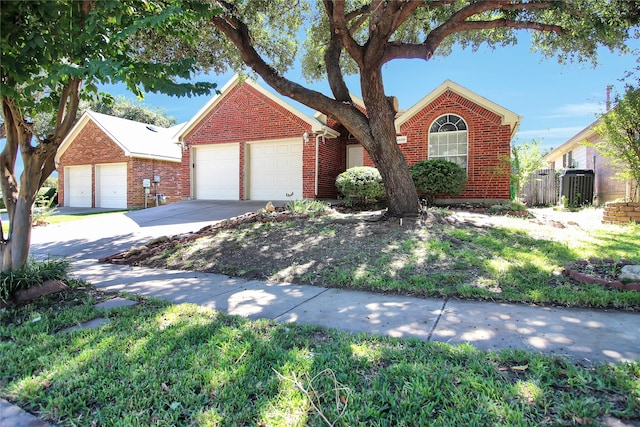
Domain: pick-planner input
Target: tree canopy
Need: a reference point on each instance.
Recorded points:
(53, 53)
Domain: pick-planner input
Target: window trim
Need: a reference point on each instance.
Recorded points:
(446, 123)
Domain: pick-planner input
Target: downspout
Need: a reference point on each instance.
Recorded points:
(317, 163)
(318, 136)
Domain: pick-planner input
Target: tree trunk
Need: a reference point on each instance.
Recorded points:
(383, 147)
(15, 250)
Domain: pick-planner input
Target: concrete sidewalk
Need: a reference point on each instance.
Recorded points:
(581, 335)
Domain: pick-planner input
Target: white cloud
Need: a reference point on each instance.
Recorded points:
(559, 132)
(549, 137)
(591, 109)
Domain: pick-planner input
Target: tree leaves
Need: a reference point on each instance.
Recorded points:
(43, 43)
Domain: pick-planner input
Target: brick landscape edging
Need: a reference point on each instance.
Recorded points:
(591, 280)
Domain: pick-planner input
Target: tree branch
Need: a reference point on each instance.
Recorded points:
(67, 108)
(238, 33)
(8, 183)
(336, 13)
(458, 23)
(332, 65)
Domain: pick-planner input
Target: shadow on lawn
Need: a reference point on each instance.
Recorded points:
(179, 365)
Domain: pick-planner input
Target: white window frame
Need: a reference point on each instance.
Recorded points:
(452, 135)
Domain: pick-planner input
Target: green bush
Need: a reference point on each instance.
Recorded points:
(512, 206)
(34, 273)
(434, 177)
(360, 185)
(47, 197)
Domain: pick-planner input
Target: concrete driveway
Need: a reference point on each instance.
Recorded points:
(102, 235)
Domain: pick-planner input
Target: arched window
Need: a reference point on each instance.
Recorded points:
(448, 140)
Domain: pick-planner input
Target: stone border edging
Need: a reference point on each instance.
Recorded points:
(581, 277)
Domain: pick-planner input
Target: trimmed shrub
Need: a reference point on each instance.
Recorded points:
(435, 177)
(360, 185)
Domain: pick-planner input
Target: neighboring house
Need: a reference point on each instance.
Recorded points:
(247, 143)
(572, 154)
(104, 161)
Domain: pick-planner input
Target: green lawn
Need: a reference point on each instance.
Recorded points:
(58, 219)
(160, 364)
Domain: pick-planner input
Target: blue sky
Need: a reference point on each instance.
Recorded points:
(555, 101)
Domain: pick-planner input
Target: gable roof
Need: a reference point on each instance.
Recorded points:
(316, 126)
(572, 142)
(136, 139)
(508, 117)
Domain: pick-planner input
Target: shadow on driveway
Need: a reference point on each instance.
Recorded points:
(98, 236)
(194, 211)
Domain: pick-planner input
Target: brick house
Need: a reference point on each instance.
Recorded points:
(104, 160)
(573, 154)
(247, 143)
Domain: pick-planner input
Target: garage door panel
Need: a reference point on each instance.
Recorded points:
(78, 186)
(111, 183)
(275, 170)
(216, 172)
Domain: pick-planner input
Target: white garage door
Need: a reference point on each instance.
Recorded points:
(78, 186)
(275, 170)
(216, 172)
(111, 186)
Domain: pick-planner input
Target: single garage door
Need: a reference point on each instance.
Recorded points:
(275, 170)
(111, 186)
(216, 172)
(78, 186)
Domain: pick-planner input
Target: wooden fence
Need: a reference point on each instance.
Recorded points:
(541, 189)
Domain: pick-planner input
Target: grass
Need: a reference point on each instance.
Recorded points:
(58, 219)
(161, 364)
(34, 273)
(517, 262)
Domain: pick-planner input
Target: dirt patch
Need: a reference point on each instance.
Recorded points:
(294, 248)
(347, 249)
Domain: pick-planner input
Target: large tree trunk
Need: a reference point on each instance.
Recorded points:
(383, 148)
(15, 250)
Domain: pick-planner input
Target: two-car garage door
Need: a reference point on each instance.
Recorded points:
(110, 182)
(273, 171)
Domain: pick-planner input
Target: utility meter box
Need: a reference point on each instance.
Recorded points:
(146, 183)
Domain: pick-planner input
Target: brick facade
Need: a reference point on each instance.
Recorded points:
(244, 115)
(489, 148)
(489, 144)
(92, 146)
